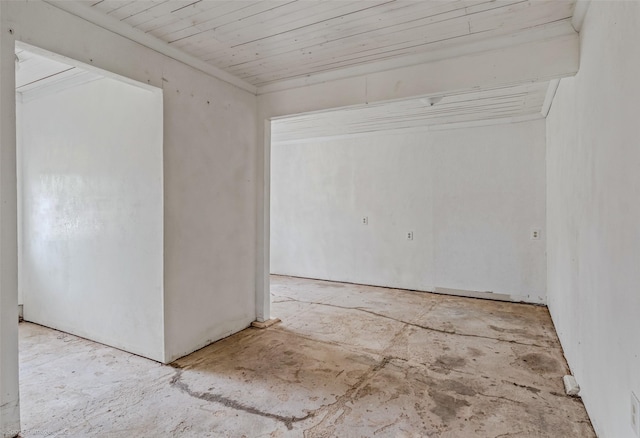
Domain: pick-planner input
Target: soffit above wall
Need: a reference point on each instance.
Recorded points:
(276, 41)
(476, 108)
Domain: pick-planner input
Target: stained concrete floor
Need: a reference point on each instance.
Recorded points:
(346, 361)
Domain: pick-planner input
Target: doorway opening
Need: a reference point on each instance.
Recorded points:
(90, 202)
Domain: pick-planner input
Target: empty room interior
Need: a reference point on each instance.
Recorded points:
(319, 218)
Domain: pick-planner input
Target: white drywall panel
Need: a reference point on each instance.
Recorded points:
(209, 216)
(593, 214)
(92, 238)
(470, 196)
(19, 188)
(532, 61)
(210, 200)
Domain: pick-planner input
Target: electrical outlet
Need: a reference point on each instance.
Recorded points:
(535, 234)
(410, 235)
(365, 220)
(635, 414)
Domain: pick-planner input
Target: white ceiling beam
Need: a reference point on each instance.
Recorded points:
(558, 29)
(542, 60)
(114, 25)
(548, 99)
(579, 13)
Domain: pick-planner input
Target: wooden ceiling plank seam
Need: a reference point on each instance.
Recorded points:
(301, 30)
(461, 29)
(134, 8)
(339, 41)
(221, 9)
(230, 17)
(246, 56)
(491, 5)
(56, 79)
(187, 26)
(378, 116)
(153, 13)
(119, 27)
(218, 21)
(366, 27)
(261, 22)
(194, 2)
(305, 69)
(163, 20)
(406, 105)
(273, 24)
(47, 77)
(391, 54)
(379, 124)
(421, 29)
(199, 49)
(107, 6)
(535, 14)
(328, 19)
(133, 19)
(282, 42)
(426, 124)
(440, 51)
(195, 30)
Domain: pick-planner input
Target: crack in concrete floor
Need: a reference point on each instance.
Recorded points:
(424, 327)
(233, 404)
(329, 373)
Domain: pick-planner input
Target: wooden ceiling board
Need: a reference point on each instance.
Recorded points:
(134, 8)
(264, 42)
(345, 52)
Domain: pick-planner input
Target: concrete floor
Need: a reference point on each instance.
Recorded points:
(346, 361)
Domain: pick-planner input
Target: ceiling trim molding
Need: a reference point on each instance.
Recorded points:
(426, 128)
(116, 26)
(579, 14)
(548, 99)
(539, 33)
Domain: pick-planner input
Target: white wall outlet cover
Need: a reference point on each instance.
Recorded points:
(635, 414)
(365, 220)
(410, 235)
(536, 233)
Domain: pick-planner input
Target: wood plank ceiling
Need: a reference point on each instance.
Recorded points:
(36, 72)
(499, 105)
(263, 42)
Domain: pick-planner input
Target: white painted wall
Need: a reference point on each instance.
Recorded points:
(19, 126)
(92, 234)
(209, 175)
(593, 188)
(209, 157)
(522, 62)
(470, 196)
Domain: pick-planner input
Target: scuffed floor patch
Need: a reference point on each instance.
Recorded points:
(346, 361)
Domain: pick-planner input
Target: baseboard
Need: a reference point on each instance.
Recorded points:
(265, 324)
(473, 294)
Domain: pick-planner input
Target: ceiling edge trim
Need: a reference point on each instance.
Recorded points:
(116, 26)
(548, 98)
